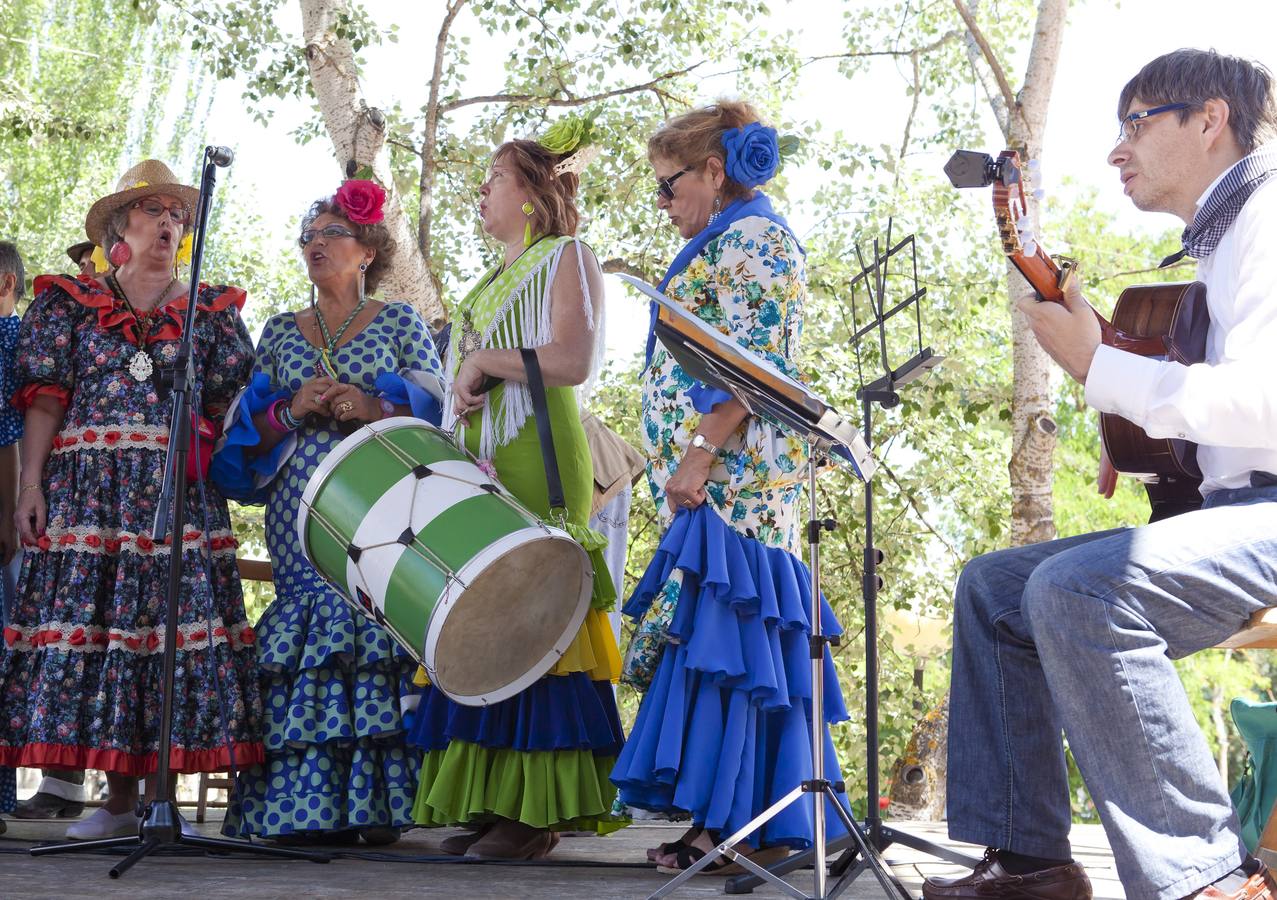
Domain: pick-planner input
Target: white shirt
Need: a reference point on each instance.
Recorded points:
(1228, 404)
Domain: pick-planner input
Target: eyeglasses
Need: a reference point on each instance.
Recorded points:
(1131, 122)
(154, 208)
(665, 186)
(328, 231)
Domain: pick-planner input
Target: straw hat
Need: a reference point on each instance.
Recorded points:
(75, 251)
(146, 178)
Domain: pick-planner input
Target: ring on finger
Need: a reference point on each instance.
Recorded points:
(345, 406)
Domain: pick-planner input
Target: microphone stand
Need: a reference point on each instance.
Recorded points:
(162, 825)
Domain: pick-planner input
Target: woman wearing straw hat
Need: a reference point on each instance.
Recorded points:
(80, 670)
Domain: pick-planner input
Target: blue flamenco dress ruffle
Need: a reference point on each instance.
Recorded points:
(725, 729)
(567, 712)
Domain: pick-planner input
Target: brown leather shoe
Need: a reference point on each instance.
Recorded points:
(460, 844)
(1259, 886)
(514, 840)
(41, 805)
(989, 881)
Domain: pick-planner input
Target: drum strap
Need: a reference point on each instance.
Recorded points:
(541, 411)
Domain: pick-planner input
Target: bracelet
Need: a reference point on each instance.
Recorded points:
(286, 417)
(272, 417)
(387, 408)
(29, 487)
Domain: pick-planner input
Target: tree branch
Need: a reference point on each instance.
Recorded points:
(1004, 87)
(928, 48)
(917, 510)
(430, 131)
(625, 267)
(568, 100)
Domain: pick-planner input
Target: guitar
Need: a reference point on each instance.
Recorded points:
(1163, 321)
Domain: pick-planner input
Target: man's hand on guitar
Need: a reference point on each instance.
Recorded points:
(1069, 332)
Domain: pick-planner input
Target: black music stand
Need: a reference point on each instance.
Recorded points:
(864, 846)
(161, 823)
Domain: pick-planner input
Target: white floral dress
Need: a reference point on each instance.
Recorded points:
(750, 282)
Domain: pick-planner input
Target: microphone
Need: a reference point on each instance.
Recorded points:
(221, 156)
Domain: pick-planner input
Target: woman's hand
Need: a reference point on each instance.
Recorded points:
(466, 397)
(686, 487)
(349, 404)
(311, 398)
(30, 514)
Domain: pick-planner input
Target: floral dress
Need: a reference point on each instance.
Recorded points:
(724, 608)
(335, 742)
(80, 674)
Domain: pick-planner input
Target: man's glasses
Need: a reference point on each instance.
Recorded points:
(665, 186)
(154, 208)
(1131, 122)
(328, 231)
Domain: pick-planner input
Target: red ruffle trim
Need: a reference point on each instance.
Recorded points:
(25, 395)
(181, 760)
(113, 314)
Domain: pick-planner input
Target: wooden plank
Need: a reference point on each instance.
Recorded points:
(1260, 633)
(255, 569)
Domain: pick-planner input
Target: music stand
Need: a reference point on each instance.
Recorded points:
(864, 846)
(709, 356)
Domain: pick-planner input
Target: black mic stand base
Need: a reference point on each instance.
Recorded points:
(161, 830)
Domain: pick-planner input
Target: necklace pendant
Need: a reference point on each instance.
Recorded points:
(141, 366)
(470, 340)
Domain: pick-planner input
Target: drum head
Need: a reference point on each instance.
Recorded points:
(513, 621)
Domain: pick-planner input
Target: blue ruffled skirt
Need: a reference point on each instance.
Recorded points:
(725, 730)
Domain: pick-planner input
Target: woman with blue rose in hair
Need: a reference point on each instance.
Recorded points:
(724, 608)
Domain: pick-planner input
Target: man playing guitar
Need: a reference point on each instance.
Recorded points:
(1078, 634)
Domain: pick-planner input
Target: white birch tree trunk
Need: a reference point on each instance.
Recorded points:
(358, 133)
(1033, 428)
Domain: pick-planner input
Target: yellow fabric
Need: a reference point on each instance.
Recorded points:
(593, 651)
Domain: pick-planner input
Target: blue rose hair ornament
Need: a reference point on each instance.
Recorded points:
(753, 153)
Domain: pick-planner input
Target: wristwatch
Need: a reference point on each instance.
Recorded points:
(700, 443)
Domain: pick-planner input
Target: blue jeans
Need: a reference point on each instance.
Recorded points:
(1077, 635)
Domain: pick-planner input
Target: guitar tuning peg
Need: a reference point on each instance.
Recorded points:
(1039, 195)
(1030, 248)
(1034, 165)
(1024, 223)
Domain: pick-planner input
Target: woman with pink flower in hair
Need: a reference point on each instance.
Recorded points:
(337, 766)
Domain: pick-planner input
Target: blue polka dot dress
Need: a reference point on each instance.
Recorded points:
(10, 433)
(336, 754)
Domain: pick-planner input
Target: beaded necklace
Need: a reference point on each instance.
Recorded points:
(330, 342)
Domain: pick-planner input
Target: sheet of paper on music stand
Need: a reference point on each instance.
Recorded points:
(708, 355)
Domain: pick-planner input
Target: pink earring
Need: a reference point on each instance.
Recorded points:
(120, 253)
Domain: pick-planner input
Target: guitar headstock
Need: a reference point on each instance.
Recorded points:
(968, 168)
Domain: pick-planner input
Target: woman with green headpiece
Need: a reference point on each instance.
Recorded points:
(519, 771)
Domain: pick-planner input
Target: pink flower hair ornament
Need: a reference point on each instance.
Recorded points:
(362, 201)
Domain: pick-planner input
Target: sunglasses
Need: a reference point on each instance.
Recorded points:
(154, 208)
(328, 231)
(665, 186)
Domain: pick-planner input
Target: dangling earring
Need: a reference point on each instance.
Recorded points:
(716, 211)
(363, 267)
(120, 253)
(528, 210)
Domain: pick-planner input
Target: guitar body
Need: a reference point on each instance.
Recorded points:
(1177, 315)
(1162, 321)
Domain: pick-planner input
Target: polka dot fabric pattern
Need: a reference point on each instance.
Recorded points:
(335, 742)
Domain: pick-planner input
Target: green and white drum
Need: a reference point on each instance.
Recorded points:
(483, 593)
